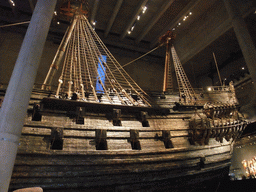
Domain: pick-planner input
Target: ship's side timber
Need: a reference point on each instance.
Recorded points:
(131, 153)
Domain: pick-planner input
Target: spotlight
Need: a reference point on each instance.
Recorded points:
(12, 2)
(144, 9)
(138, 17)
(129, 32)
(190, 13)
(185, 17)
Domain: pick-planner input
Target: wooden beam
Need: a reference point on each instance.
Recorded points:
(113, 17)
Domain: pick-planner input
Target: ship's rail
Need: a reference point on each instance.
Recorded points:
(166, 99)
(218, 89)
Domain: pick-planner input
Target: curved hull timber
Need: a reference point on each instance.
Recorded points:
(80, 148)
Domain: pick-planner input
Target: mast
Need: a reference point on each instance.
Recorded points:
(58, 57)
(89, 72)
(186, 92)
(167, 82)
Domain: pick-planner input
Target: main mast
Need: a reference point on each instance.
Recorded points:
(89, 71)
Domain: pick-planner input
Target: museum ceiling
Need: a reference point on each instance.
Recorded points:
(136, 24)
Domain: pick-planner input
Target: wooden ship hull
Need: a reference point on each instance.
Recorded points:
(100, 131)
(71, 145)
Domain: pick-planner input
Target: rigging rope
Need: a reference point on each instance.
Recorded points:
(13, 24)
(143, 55)
(89, 64)
(217, 68)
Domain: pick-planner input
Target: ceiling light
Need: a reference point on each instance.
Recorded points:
(58, 22)
(144, 9)
(55, 12)
(209, 89)
(138, 18)
(179, 23)
(242, 68)
(185, 17)
(12, 2)
(129, 32)
(173, 29)
(190, 13)
(94, 23)
(132, 28)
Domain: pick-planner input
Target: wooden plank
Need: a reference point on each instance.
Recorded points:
(81, 133)
(86, 171)
(33, 143)
(119, 145)
(36, 131)
(71, 144)
(153, 145)
(217, 158)
(103, 159)
(121, 178)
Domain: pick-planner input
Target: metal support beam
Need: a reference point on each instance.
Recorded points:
(211, 37)
(16, 100)
(31, 5)
(152, 22)
(133, 18)
(174, 22)
(113, 17)
(94, 10)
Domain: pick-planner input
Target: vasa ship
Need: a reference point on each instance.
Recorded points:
(99, 131)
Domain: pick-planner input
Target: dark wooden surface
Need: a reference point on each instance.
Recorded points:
(79, 165)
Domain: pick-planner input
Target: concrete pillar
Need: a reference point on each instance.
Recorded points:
(14, 107)
(243, 37)
(248, 50)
